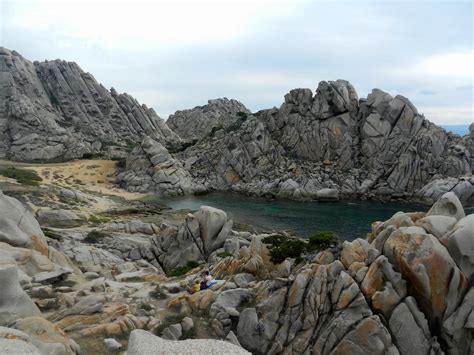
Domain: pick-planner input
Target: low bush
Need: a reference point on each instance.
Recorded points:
(224, 254)
(183, 270)
(158, 293)
(321, 240)
(282, 247)
(22, 176)
(98, 219)
(94, 236)
(52, 234)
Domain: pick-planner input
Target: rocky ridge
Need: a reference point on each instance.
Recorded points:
(53, 110)
(374, 147)
(198, 122)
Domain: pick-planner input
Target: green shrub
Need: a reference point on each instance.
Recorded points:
(242, 115)
(183, 270)
(92, 156)
(182, 147)
(145, 306)
(158, 293)
(224, 254)
(94, 236)
(52, 234)
(321, 240)
(282, 247)
(231, 146)
(98, 219)
(120, 163)
(22, 176)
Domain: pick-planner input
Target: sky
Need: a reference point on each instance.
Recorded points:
(177, 54)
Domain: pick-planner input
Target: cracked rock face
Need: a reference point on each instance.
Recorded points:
(54, 111)
(198, 122)
(402, 291)
(377, 146)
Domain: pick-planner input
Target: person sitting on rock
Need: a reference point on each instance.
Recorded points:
(203, 285)
(209, 280)
(195, 288)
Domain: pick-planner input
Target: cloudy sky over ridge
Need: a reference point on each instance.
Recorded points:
(177, 54)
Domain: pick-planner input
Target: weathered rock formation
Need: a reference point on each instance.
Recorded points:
(400, 291)
(379, 146)
(198, 122)
(53, 110)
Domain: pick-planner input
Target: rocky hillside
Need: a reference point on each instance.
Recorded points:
(55, 111)
(198, 122)
(374, 147)
(116, 280)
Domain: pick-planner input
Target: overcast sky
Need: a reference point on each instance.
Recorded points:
(176, 54)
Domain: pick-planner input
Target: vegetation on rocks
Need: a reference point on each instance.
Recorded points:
(183, 270)
(94, 236)
(22, 176)
(321, 240)
(282, 247)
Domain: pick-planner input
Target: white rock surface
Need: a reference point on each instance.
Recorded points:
(142, 342)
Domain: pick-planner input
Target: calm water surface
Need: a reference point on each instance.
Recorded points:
(349, 219)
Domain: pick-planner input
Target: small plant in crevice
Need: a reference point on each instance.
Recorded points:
(158, 293)
(94, 236)
(183, 270)
(52, 234)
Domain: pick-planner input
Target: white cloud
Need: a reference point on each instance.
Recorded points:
(448, 114)
(455, 67)
(145, 24)
(458, 65)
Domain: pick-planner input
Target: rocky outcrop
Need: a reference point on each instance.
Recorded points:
(403, 290)
(379, 146)
(198, 122)
(53, 110)
(150, 167)
(196, 239)
(142, 342)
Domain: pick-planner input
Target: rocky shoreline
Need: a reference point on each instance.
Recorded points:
(102, 283)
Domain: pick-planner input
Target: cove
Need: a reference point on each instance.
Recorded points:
(349, 219)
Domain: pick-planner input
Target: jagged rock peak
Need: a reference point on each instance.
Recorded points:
(199, 121)
(54, 110)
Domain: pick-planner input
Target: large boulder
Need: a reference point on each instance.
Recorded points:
(431, 273)
(143, 342)
(18, 227)
(48, 337)
(201, 234)
(58, 218)
(460, 244)
(448, 205)
(14, 302)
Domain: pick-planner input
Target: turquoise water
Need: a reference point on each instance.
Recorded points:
(349, 219)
